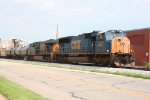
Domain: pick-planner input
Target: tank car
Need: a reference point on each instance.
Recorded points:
(8, 44)
(43, 51)
(17, 52)
(9, 53)
(13, 52)
(100, 47)
(23, 52)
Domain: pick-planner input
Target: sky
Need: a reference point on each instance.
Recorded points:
(36, 20)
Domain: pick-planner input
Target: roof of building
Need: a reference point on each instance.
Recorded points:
(148, 28)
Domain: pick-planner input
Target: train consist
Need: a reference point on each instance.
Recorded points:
(99, 47)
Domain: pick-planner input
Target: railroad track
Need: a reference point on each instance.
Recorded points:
(83, 65)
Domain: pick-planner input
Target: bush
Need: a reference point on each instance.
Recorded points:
(147, 65)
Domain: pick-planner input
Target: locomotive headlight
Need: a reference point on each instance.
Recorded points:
(107, 50)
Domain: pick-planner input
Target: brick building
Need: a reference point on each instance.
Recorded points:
(140, 41)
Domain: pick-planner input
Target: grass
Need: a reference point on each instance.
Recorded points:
(147, 65)
(13, 91)
(135, 75)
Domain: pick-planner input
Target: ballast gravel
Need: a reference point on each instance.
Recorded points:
(91, 67)
(84, 66)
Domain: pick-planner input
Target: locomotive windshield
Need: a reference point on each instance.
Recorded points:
(114, 33)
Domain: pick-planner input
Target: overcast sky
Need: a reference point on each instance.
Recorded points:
(36, 20)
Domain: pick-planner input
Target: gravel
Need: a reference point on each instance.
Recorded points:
(84, 66)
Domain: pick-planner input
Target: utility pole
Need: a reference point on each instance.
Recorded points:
(57, 33)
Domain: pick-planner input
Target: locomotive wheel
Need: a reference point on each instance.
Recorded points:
(113, 65)
(117, 61)
(104, 64)
(132, 63)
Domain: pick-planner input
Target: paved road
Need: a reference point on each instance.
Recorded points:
(66, 84)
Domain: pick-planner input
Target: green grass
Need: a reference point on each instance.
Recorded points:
(135, 75)
(147, 65)
(13, 91)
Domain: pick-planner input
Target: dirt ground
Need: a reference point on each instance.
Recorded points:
(1, 97)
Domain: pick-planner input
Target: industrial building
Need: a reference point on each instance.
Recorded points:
(140, 41)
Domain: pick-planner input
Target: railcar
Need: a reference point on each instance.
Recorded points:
(24, 52)
(7, 45)
(43, 51)
(99, 47)
(8, 52)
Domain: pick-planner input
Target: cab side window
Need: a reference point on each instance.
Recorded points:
(101, 37)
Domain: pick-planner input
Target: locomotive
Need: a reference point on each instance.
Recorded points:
(43, 51)
(99, 47)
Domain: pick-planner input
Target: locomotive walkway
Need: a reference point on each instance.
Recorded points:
(66, 84)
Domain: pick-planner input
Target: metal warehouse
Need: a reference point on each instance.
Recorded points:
(140, 41)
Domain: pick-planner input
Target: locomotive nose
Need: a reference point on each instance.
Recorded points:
(121, 48)
(120, 45)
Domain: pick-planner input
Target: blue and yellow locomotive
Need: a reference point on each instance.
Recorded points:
(100, 47)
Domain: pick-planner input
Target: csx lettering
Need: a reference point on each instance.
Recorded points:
(75, 44)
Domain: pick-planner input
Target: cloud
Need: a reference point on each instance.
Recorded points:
(74, 12)
(41, 16)
(27, 1)
(47, 6)
(39, 5)
(142, 1)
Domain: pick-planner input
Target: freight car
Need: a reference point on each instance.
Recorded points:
(110, 47)
(8, 44)
(18, 52)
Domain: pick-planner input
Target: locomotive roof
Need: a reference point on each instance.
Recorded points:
(65, 37)
(95, 31)
(47, 41)
(51, 41)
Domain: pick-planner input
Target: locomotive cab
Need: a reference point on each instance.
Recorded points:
(120, 45)
(121, 53)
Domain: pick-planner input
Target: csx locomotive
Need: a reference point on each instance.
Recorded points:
(99, 47)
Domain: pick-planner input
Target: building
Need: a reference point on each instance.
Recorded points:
(140, 41)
